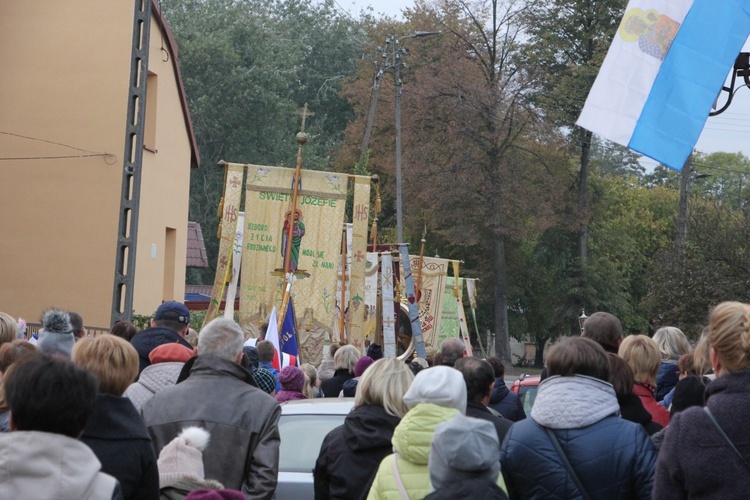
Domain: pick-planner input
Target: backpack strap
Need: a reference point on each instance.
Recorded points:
(726, 438)
(566, 463)
(397, 477)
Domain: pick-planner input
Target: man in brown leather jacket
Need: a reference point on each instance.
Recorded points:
(219, 395)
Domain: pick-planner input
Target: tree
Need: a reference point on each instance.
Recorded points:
(569, 39)
(248, 67)
(482, 170)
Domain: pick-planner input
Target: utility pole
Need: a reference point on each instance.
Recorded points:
(130, 195)
(682, 217)
(399, 193)
(392, 55)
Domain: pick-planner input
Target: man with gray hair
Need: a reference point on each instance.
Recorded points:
(452, 350)
(221, 396)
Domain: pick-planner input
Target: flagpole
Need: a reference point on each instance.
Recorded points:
(342, 308)
(301, 139)
(421, 263)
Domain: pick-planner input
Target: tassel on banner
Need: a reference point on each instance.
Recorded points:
(376, 179)
(456, 287)
(220, 215)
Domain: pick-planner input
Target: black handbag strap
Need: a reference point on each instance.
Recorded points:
(724, 435)
(566, 463)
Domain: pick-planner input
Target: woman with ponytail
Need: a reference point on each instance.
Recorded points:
(706, 452)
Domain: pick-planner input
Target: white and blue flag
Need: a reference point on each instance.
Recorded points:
(663, 72)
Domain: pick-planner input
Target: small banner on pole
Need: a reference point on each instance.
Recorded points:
(358, 254)
(389, 318)
(236, 262)
(232, 196)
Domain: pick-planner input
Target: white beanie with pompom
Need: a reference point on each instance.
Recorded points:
(182, 458)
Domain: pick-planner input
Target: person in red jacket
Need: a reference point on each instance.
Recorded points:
(641, 353)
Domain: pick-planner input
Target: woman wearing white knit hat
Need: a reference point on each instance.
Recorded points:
(435, 396)
(181, 464)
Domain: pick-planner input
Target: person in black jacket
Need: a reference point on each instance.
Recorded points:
(350, 454)
(479, 379)
(115, 432)
(344, 362)
(506, 403)
(171, 323)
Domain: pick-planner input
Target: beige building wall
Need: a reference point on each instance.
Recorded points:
(63, 92)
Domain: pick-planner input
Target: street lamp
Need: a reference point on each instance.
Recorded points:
(582, 319)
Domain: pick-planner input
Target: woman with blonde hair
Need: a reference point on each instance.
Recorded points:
(8, 328)
(350, 454)
(672, 344)
(312, 382)
(116, 432)
(344, 362)
(641, 353)
(706, 451)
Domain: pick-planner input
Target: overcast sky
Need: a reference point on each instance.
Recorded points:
(729, 132)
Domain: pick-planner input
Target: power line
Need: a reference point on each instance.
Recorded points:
(106, 156)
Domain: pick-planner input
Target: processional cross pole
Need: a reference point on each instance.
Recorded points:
(289, 277)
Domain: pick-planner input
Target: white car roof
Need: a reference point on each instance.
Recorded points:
(318, 406)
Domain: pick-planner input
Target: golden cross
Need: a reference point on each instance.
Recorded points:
(304, 114)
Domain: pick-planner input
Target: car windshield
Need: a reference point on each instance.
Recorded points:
(301, 437)
(527, 395)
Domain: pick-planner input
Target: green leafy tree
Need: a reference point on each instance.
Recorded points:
(248, 68)
(568, 42)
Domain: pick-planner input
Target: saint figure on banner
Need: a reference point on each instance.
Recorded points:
(298, 231)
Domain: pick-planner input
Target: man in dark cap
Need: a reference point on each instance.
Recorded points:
(171, 323)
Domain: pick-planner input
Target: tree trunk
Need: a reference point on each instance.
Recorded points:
(502, 338)
(583, 225)
(541, 341)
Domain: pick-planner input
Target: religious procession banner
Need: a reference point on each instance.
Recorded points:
(315, 250)
(342, 288)
(358, 253)
(432, 280)
(389, 319)
(236, 262)
(230, 214)
(449, 322)
(371, 295)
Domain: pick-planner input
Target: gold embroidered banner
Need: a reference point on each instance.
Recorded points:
(315, 251)
(449, 322)
(360, 218)
(232, 197)
(371, 295)
(432, 286)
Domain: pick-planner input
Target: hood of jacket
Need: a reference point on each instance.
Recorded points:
(412, 437)
(499, 391)
(42, 465)
(573, 402)
(369, 426)
(160, 376)
(115, 417)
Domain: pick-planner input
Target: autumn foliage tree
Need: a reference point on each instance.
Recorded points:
(480, 170)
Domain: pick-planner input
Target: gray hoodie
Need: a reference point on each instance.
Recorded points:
(37, 465)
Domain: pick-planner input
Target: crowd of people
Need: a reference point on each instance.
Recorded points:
(166, 413)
